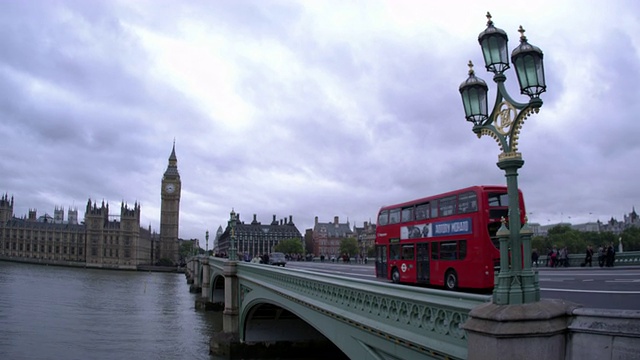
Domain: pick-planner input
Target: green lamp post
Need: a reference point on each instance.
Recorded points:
(516, 283)
(233, 252)
(206, 236)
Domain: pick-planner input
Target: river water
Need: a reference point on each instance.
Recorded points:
(49, 312)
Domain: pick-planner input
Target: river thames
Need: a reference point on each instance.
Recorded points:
(49, 312)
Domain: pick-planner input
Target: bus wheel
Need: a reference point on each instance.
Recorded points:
(451, 280)
(395, 276)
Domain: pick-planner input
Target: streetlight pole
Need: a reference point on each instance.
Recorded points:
(206, 236)
(516, 282)
(233, 255)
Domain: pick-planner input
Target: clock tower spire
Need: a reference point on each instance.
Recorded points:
(170, 210)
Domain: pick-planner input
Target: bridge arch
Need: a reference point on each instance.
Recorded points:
(217, 289)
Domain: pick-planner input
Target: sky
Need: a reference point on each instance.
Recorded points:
(308, 108)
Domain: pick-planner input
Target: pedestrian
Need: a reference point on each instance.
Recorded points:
(610, 255)
(562, 256)
(589, 256)
(534, 257)
(601, 256)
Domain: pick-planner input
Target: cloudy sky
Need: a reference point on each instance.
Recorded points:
(307, 108)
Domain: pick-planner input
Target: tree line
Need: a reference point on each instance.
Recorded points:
(577, 241)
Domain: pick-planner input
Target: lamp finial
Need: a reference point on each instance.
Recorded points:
(471, 72)
(521, 31)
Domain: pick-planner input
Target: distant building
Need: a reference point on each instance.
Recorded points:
(613, 225)
(327, 237)
(256, 238)
(366, 236)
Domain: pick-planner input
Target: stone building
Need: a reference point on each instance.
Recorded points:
(101, 241)
(256, 238)
(44, 239)
(366, 236)
(327, 237)
(116, 242)
(170, 211)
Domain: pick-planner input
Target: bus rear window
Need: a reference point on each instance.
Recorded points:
(498, 199)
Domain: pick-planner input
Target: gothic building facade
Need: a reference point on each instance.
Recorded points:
(99, 241)
(102, 240)
(256, 238)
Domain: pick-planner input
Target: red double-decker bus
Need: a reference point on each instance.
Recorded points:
(443, 240)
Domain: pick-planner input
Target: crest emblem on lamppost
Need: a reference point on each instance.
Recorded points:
(505, 117)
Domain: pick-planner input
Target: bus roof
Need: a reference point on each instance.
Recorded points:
(483, 188)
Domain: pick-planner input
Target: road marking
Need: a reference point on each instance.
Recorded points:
(592, 291)
(587, 280)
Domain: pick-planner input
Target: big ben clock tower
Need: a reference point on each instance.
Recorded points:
(170, 210)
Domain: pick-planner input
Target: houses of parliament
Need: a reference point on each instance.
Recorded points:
(102, 240)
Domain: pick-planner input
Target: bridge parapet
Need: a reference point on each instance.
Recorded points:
(425, 321)
(626, 258)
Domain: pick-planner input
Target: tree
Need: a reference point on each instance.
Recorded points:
(349, 246)
(289, 246)
(631, 239)
(308, 244)
(187, 248)
(564, 236)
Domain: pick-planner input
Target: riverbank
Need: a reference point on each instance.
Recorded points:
(82, 264)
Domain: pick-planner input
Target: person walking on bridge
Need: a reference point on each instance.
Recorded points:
(589, 256)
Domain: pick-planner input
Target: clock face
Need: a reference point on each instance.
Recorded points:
(170, 188)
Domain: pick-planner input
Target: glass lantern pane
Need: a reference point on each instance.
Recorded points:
(540, 74)
(494, 49)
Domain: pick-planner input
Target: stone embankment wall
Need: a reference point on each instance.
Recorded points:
(603, 334)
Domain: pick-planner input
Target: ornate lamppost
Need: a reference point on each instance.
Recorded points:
(233, 252)
(206, 236)
(516, 282)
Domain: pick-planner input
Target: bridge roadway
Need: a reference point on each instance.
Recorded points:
(369, 319)
(364, 319)
(602, 288)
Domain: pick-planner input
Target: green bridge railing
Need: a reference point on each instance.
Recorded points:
(626, 258)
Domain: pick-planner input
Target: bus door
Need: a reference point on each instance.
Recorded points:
(381, 261)
(422, 263)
